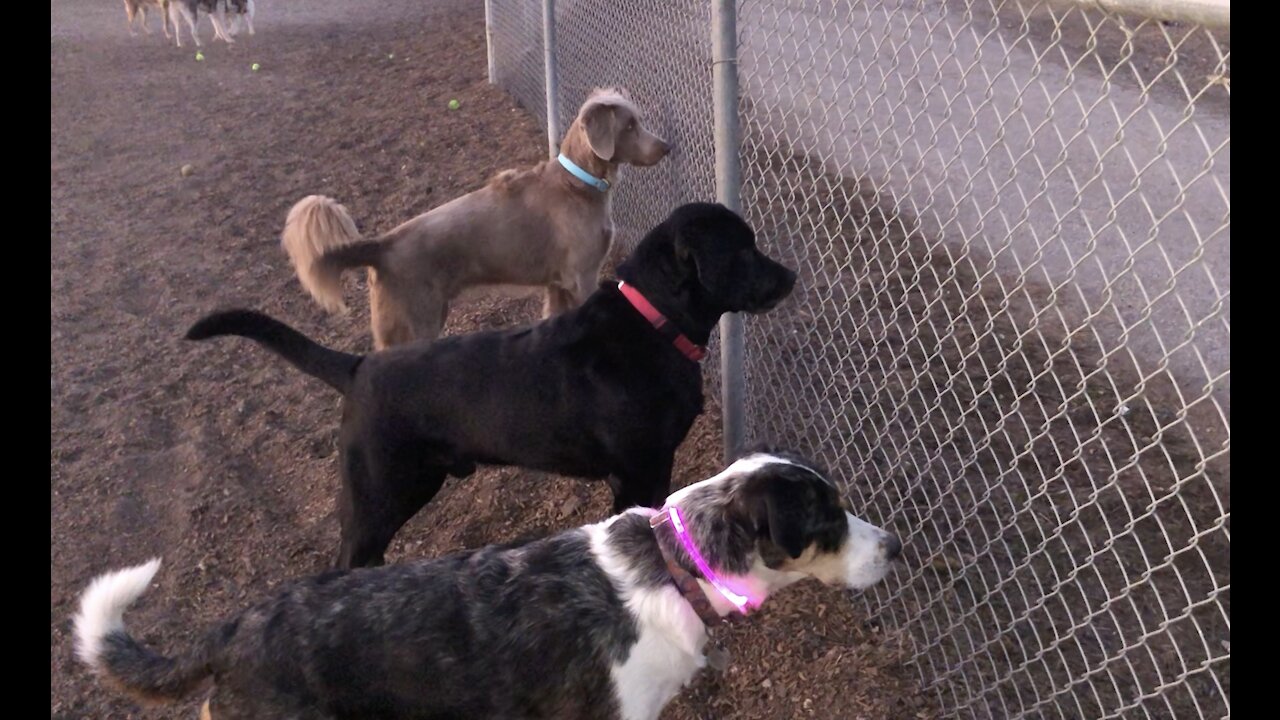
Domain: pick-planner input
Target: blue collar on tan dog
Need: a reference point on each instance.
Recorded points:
(598, 183)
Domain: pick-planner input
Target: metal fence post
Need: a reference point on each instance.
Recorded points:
(724, 78)
(488, 38)
(552, 76)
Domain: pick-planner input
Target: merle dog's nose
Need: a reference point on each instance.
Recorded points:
(664, 146)
(892, 546)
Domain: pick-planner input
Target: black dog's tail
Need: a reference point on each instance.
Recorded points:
(103, 644)
(333, 367)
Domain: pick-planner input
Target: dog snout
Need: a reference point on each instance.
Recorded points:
(892, 546)
(777, 288)
(658, 149)
(787, 282)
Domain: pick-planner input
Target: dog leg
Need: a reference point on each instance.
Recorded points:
(587, 284)
(191, 24)
(558, 300)
(248, 16)
(218, 30)
(645, 485)
(390, 314)
(378, 498)
(174, 13)
(129, 13)
(430, 310)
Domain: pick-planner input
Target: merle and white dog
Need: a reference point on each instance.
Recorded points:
(604, 621)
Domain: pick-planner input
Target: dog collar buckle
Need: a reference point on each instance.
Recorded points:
(598, 183)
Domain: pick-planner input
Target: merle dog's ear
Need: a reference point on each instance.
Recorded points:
(779, 512)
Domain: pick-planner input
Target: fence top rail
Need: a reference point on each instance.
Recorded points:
(1210, 13)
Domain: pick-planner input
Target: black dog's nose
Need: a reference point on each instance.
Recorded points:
(788, 281)
(892, 547)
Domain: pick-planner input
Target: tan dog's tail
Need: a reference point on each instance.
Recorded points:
(322, 241)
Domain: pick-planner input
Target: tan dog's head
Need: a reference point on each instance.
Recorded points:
(614, 131)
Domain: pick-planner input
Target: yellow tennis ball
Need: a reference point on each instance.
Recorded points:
(454, 105)
(255, 67)
(199, 57)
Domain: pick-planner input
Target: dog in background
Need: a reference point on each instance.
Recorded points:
(604, 621)
(137, 9)
(548, 226)
(236, 11)
(607, 390)
(190, 10)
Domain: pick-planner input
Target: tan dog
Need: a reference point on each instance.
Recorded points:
(541, 226)
(137, 9)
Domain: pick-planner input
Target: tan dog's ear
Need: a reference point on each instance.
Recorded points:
(601, 122)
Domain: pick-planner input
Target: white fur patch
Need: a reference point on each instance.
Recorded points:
(103, 604)
(865, 563)
(669, 650)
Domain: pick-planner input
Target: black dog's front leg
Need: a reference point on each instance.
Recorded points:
(645, 485)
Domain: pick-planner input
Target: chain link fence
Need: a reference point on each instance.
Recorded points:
(1012, 330)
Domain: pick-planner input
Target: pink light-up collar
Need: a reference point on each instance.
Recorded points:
(742, 602)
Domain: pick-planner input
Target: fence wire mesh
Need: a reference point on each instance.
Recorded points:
(1012, 330)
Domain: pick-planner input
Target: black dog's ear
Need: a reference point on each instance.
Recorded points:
(779, 510)
(713, 269)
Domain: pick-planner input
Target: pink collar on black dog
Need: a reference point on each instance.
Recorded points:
(691, 350)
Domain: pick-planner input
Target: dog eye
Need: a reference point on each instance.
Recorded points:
(631, 125)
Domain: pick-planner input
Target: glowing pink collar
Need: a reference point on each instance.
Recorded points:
(672, 513)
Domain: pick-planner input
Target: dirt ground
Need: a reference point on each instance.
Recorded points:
(220, 458)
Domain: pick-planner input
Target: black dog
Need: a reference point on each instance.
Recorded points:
(606, 390)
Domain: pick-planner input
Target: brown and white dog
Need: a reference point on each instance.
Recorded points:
(606, 621)
(137, 10)
(542, 226)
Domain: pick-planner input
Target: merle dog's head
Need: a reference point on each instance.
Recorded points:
(702, 262)
(771, 519)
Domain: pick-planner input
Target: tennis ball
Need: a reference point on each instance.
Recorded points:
(199, 57)
(186, 170)
(255, 67)
(454, 105)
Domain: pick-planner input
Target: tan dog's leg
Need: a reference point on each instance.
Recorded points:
(388, 315)
(205, 713)
(430, 310)
(587, 284)
(558, 300)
